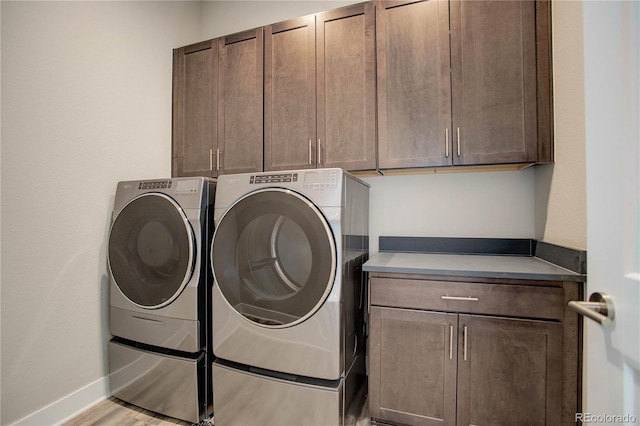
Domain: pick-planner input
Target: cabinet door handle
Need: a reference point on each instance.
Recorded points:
(464, 349)
(446, 142)
(210, 159)
(458, 141)
(217, 159)
(450, 342)
(462, 298)
(320, 152)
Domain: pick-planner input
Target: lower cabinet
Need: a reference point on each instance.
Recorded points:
(429, 367)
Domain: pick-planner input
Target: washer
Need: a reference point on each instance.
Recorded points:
(289, 296)
(160, 282)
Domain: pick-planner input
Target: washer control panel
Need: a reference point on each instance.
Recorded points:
(156, 184)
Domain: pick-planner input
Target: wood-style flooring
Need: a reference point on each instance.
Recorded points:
(112, 411)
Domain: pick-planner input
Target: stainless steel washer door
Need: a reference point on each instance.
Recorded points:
(151, 250)
(274, 257)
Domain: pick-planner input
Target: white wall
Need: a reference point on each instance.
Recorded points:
(86, 102)
(487, 204)
(221, 18)
(561, 195)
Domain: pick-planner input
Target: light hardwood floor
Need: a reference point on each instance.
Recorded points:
(112, 411)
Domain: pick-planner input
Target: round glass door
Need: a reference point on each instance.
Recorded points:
(274, 257)
(151, 251)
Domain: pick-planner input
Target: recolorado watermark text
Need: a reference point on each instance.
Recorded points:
(605, 418)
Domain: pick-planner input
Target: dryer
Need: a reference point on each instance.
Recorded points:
(160, 282)
(289, 296)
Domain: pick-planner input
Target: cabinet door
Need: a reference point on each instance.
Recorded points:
(346, 88)
(195, 83)
(240, 101)
(412, 375)
(290, 95)
(493, 57)
(414, 94)
(509, 372)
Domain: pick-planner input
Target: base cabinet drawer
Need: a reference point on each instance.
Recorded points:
(433, 368)
(475, 298)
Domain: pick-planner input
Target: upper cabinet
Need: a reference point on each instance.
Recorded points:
(414, 99)
(463, 83)
(320, 91)
(380, 85)
(290, 95)
(240, 117)
(346, 88)
(493, 64)
(195, 85)
(217, 106)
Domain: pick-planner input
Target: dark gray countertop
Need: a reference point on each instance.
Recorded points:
(465, 265)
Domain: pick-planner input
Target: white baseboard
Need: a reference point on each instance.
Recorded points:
(70, 406)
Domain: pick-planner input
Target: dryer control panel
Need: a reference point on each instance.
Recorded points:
(320, 179)
(274, 178)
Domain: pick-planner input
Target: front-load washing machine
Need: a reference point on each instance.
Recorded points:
(160, 281)
(289, 296)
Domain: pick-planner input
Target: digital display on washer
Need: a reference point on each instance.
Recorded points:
(274, 178)
(164, 184)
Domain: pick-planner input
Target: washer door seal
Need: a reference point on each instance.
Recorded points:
(151, 250)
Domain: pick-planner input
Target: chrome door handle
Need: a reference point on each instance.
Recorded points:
(599, 308)
(446, 142)
(451, 342)
(464, 349)
(310, 158)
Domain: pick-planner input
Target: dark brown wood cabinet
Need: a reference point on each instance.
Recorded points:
(413, 366)
(195, 85)
(290, 95)
(414, 95)
(463, 83)
(346, 88)
(240, 120)
(217, 106)
(456, 352)
(509, 371)
(320, 91)
(387, 84)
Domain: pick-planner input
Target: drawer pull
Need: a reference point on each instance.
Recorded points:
(463, 298)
